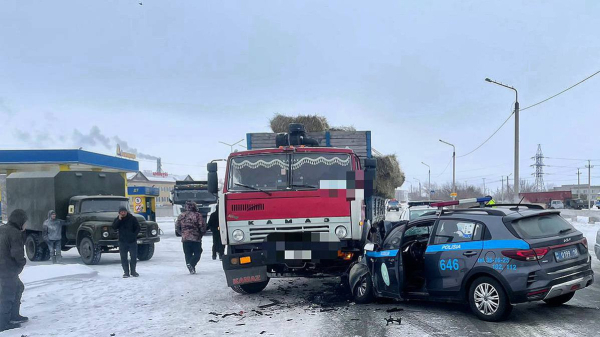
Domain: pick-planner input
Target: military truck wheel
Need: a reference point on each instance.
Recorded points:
(35, 248)
(90, 253)
(251, 288)
(145, 252)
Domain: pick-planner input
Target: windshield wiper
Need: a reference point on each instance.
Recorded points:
(565, 230)
(252, 188)
(303, 185)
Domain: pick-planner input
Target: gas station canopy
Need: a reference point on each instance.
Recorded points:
(72, 160)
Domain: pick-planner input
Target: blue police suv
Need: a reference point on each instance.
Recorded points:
(489, 257)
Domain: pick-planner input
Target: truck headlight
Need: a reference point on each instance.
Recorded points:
(237, 235)
(105, 234)
(154, 232)
(341, 232)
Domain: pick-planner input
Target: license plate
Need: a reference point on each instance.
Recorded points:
(566, 254)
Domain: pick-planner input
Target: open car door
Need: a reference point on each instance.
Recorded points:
(386, 265)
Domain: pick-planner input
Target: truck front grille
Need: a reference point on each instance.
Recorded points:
(143, 231)
(259, 234)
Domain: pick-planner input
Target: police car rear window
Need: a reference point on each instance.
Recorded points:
(543, 226)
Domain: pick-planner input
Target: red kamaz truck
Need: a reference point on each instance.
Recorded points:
(295, 209)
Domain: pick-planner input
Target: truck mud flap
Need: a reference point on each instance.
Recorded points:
(246, 275)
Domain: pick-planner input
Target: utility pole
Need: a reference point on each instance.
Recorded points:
(453, 168)
(429, 183)
(539, 170)
(516, 172)
(578, 185)
(502, 188)
(484, 186)
(508, 187)
(589, 167)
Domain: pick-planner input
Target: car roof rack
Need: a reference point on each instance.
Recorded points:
(473, 210)
(530, 206)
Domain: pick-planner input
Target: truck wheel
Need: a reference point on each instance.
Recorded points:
(90, 253)
(488, 300)
(251, 288)
(35, 248)
(363, 291)
(145, 252)
(559, 300)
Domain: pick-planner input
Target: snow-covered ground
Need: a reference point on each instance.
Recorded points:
(79, 300)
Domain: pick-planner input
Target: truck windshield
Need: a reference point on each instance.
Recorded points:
(197, 196)
(308, 169)
(272, 171)
(265, 172)
(103, 205)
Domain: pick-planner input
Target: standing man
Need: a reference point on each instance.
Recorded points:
(213, 224)
(12, 261)
(191, 227)
(52, 233)
(129, 228)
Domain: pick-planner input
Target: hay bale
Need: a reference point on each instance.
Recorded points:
(312, 123)
(342, 128)
(389, 176)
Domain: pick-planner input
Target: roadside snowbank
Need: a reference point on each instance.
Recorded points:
(37, 274)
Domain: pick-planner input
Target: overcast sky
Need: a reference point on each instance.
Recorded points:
(172, 78)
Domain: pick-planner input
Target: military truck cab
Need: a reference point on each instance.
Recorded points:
(89, 228)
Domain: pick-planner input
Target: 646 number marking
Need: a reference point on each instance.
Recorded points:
(450, 264)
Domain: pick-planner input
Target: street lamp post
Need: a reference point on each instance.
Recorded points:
(420, 190)
(429, 181)
(453, 167)
(232, 145)
(516, 182)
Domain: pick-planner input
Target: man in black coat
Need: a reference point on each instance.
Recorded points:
(213, 224)
(129, 228)
(12, 261)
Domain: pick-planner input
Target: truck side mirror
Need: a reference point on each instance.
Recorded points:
(370, 164)
(213, 178)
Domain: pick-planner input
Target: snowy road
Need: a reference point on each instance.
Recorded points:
(167, 301)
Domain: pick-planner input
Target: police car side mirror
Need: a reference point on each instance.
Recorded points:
(369, 247)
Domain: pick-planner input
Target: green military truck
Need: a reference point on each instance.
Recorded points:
(87, 201)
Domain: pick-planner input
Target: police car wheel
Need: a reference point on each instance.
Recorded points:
(251, 288)
(363, 291)
(559, 300)
(488, 300)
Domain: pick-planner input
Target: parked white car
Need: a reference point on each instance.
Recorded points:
(557, 204)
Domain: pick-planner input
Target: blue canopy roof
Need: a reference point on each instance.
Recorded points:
(42, 160)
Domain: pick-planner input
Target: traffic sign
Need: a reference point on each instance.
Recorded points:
(432, 191)
(453, 194)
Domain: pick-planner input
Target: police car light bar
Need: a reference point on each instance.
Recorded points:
(462, 201)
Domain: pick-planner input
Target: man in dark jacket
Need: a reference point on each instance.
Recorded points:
(213, 224)
(12, 261)
(128, 228)
(191, 227)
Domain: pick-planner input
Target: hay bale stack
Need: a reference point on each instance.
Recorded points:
(389, 176)
(312, 123)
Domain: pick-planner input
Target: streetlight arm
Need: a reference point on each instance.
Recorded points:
(504, 85)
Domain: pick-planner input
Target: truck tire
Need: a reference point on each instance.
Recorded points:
(90, 253)
(145, 252)
(35, 248)
(251, 288)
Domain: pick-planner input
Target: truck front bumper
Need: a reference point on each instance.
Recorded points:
(140, 241)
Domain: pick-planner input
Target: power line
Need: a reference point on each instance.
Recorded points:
(531, 106)
(490, 137)
(569, 88)
(445, 168)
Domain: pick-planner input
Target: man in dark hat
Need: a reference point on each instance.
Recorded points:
(128, 228)
(12, 261)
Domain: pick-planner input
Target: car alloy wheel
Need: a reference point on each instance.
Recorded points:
(487, 299)
(362, 287)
